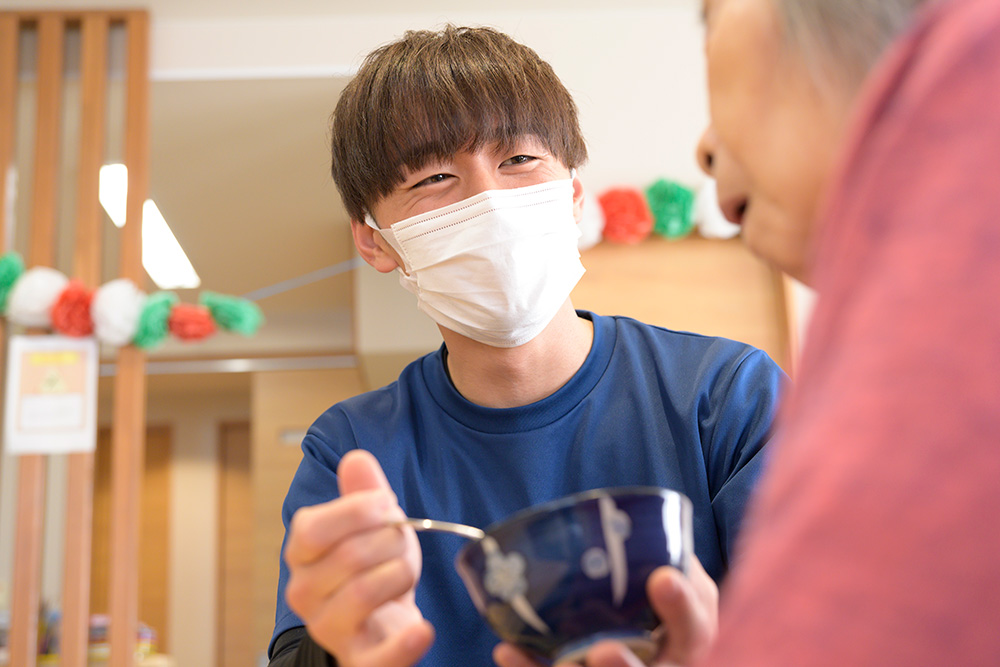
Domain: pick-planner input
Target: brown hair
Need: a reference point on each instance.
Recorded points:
(430, 95)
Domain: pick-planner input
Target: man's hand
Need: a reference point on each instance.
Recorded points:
(352, 577)
(688, 609)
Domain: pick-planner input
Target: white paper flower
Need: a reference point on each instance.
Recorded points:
(33, 296)
(708, 216)
(591, 223)
(115, 310)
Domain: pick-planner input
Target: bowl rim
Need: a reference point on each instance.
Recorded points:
(525, 515)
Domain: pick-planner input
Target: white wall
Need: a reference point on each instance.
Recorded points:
(636, 74)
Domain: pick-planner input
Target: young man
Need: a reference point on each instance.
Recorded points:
(455, 154)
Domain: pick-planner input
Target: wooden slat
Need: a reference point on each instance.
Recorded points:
(93, 67)
(87, 268)
(27, 560)
(128, 429)
(45, 184)
(31, 482)
(8, 99)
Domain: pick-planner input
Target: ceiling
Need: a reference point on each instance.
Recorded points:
(199, 9)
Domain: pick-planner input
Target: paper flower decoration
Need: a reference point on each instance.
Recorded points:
(33, 295)
(11, 268)
(71, 311)
(191, 322)
(591, 224)
(152, 329)
(671, 205)
(626, 216)
(232, 314)
(117, 313)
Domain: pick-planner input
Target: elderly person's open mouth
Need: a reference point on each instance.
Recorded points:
(734, 209)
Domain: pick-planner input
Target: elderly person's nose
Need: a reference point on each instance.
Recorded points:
(706, 150)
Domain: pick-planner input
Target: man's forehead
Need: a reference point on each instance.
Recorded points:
(436, 153)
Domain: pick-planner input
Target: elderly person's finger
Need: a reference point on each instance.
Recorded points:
(506, 655)
(688, 608)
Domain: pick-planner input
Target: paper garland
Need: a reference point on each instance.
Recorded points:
(666, 208)
(118, 313)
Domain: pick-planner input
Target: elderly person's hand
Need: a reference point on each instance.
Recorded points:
(352, 577)
(688, 609)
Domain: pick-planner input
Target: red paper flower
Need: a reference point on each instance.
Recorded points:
(190, 322)
(71, 311)
(626, 214)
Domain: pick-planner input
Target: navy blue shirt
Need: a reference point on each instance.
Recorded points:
(649, 406)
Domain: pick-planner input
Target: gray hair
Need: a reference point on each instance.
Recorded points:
(843, 39)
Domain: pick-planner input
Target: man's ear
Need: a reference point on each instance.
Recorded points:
(372, 249)
(578, 197)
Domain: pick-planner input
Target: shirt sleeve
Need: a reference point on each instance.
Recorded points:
(295, 648)
(736, 430)
(315, 482)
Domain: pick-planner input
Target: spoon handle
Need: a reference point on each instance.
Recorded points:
(467, 532)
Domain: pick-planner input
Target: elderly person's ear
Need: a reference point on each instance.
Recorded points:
(705, 151)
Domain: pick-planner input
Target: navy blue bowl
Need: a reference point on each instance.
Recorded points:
(557, 577)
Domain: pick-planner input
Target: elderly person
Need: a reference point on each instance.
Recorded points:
(875, 541)
(872, 173)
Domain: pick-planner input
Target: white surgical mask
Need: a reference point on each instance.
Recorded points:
(495, 267)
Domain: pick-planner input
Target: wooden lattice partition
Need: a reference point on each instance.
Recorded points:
(128, 431)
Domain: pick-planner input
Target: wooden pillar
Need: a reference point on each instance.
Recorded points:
(128, 426)
(8, 97)
(31, 478)
(87, 268)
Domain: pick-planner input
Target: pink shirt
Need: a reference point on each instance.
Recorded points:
(876, 536)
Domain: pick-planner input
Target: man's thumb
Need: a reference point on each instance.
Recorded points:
(359, 471)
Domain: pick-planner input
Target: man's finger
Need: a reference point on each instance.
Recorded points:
(359, 470)
(315, 529)
(345, 612)
(401, 649)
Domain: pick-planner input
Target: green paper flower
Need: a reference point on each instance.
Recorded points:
(11, 268)
(154, 319)
(672, 206)
(233, 313)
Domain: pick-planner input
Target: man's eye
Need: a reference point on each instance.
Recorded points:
(436, 178)
(519, 159)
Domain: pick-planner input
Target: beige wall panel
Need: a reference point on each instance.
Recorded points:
(283, 405)
(706, 286)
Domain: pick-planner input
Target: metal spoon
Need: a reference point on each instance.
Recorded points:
(468, 532)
